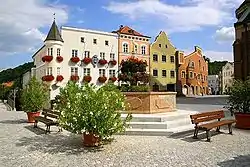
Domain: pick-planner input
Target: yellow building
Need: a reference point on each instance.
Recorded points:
(162, 64)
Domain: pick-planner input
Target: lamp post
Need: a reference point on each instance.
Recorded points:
(14, 96)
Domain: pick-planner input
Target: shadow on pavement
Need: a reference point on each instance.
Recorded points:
(15, 121)
(239, 161)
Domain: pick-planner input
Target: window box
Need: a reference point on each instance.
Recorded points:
(74, 78)
(113, 79)
(113, 62)
(48, 78)
(75, 59)
(102, 79)
(87, 60)
(103, 61)
(59, 58)
(59, 78)
(87, 78)
(47, 58)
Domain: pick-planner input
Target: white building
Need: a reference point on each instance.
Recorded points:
(227, 76)
(64, 57)
(214, 84)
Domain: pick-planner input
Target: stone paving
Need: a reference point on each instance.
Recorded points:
(23, 146)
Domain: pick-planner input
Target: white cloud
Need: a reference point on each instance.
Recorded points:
(225, 34)
(190, 15)
(21, 22)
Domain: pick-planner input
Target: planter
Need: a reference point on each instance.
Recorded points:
(242, 120)
(75, 59)
(86, 60)
(31, 116)
(113, 79)
(103, 62)
(48, 78)
(47, 58)
(90, 140)
(87, 78)
(74, 78)
(59, 78)
(59, 58)
(113, 62)
(102, 79)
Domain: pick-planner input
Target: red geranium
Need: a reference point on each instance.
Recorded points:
(87, 60)
(103, 61)
(87, 78)
(75, 59)
(59, 58)
(74, 78)
(102, 79)
(59, 78)
(47, 58)
(113, 79)
(48, 78)
(113, 62)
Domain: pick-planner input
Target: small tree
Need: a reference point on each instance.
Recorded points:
(35, 96)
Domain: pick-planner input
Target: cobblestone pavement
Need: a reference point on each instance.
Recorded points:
(23, 146)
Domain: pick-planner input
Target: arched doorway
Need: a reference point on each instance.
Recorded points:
(192, 91)
(185, 90)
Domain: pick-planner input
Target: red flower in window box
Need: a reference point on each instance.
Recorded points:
(59, 58)
(113, 79)
(74, 78)
(103, 61)
(47, 58)
(59, 78)
(87, 60)
(102, 79)
(87, 78)
(75, 59)
(48, 78)
(113, 62)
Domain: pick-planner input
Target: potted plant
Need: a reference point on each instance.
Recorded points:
(113, 79)
(113, 62)
(74, 77)
(93, 113)
(75, 59)
(34, 98)
(103, 61)
(239, 103)
(48, 78)
(87, 60)
(59, 58)
(47, 58)
(59, 78)
(87, 78)
(102, 79)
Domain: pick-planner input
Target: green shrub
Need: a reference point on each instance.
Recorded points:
(133, 88)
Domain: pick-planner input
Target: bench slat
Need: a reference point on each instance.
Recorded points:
(195, 116)
(44, 120)
(208, 116)
(212, 125)
(51, 115)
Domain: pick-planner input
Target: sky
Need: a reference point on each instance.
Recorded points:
(205, 23)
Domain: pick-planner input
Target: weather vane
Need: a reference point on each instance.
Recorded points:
(54, 14)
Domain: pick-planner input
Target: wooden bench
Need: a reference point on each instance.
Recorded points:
(209, 120)
(49, 118)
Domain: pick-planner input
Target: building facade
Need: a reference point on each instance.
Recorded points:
(192, 73)
(162, 64)
(241, 44)
(227, 77)
(214, 84)
(80, 55)
(132, 43)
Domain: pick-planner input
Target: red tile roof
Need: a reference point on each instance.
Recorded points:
(129, 31)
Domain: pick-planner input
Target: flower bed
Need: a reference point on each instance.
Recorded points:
(59, 58)
(75, 59)
(113, 79)
(87, 60)
(74, 78)
(48, 78)
(102, 79)
(87, 78)
(59, 78)
(47, 58)
(113, 62)
(103, 61)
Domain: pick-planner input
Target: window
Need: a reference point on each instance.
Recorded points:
(190, 74)
(136, 49)
(82, 39)
(87, 54)
(112, 56)
(155, 73)
(94, 41)
(101, 72)
(49, 71)
(74, 53)
(58, 52)
(86, 72)
(194, 75)
(166, 46)
(125, 48)
(172, 59)
(50, 51)
(160, 45)
(164, 58)
(172, 74)
(183, 74)
(198, 76)
(107, 43)
(164, 73)
(111, 73)
(58, 71)
(102, 55)
(143, 50)
(199, 64)
(74, 71)
(155, 57)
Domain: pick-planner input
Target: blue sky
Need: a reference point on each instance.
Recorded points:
(206, 23)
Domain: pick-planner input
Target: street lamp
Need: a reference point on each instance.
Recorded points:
(14, 96)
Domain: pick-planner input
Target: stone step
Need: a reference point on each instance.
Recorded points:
(147, 132)
(178, 123)
(148, 125)
(181, 129)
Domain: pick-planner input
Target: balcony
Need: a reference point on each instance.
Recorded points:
(47, 58)
(75, 59)
(48, 78)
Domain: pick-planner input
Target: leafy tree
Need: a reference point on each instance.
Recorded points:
(215, 67)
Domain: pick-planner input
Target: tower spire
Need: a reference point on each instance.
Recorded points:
(54, 34)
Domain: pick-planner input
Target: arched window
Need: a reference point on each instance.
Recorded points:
(125, 48)
(143, 50)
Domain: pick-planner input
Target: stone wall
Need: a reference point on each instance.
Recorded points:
(150, 102)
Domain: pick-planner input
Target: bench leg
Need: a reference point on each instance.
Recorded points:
(47, 129)
(218, 129)
(208, 135)
(59, 129)
(35, 124)
(196, 133)
(230, 129)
